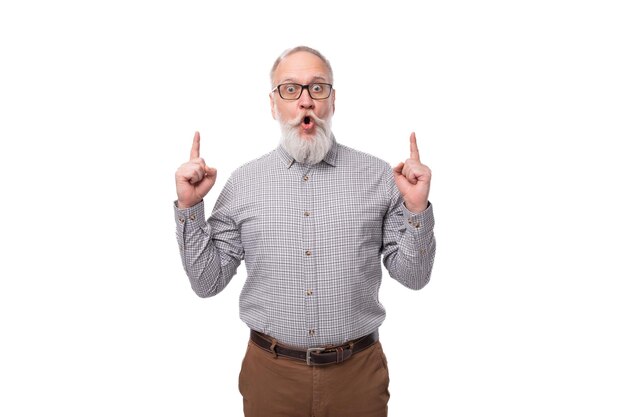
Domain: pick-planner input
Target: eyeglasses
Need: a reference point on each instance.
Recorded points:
(291, 91)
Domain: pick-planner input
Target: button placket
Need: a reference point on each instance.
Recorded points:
(309, 267)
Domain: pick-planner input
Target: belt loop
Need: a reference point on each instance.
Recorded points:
(339, 354)
(272, 350)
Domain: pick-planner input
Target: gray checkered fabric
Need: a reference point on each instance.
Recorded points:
(312, 238)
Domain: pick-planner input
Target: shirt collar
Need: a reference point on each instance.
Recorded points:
(330, 158)
(286, 159)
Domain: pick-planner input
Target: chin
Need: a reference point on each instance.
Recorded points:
(309, 136)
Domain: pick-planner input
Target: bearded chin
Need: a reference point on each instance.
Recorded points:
(307, 151)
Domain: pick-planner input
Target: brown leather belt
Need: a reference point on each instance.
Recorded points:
(315, 356)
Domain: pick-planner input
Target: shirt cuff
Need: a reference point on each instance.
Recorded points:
(423, 221)
(192, 216)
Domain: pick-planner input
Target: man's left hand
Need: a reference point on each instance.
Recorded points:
(413, 180)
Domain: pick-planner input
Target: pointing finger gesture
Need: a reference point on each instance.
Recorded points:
(194, 179)
(195, 147)
(415, 153)
(413, 179)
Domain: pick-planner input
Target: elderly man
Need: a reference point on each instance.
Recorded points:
(312, 220)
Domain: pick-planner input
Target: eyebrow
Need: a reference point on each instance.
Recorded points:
(314, 79)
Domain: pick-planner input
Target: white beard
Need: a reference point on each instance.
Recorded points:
(306, 151)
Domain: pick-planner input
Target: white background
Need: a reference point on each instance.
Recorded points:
(519, 111)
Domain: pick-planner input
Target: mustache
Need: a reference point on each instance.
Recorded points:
(295, 122)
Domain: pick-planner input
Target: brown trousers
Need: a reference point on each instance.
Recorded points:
(282, 387)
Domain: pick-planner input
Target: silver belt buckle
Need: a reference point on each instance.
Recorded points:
(311, 350)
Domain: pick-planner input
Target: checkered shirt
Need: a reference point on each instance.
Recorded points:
(312, 237)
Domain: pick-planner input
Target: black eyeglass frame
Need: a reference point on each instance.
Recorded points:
(302, 88)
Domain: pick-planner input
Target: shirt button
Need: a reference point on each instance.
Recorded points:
(417, 225)
(181, 219)
(192, 217)
(306, 178)
(307, 214)
(312, 332)
(308, 253)
(309, 292)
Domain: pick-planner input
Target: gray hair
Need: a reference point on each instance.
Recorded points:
(300, 49)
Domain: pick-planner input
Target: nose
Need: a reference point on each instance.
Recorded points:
(306, 102)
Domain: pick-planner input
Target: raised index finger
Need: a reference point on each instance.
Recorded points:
(415, 154)
(195, 148)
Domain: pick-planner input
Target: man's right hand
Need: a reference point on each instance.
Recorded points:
(194, 179)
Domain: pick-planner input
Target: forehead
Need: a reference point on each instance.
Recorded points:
(301, 66)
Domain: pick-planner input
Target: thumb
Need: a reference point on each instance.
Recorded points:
(205, 185)
(398, 169)
(399, 178)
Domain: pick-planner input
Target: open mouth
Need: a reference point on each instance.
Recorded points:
(307, 123)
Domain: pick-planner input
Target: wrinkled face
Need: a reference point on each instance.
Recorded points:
(302, 68)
